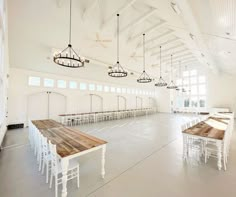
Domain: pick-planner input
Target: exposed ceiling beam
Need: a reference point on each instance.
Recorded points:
(163, 43)
(167, 33)
(139, 20)
(168, 49)
(88, 10)
(175, 52)
(191, 22)
(120, 11)
(147, 31)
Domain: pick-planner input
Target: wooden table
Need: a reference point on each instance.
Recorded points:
(70, 143)
(213, 129)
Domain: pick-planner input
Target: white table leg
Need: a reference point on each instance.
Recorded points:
(219, 155)
(64, 166)
(103, 161)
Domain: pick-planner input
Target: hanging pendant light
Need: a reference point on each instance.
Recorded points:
(117, 70)
(178, 89)
(144, 77)
(171, 85)
(161, 82)
(68, 57)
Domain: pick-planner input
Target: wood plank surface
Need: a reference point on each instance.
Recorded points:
(69, 141)
(205, 130)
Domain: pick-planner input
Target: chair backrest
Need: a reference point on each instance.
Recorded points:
(183, 127)
(45, 147)
(53, 156)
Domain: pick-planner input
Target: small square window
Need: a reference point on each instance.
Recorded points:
(202, 101)
(99, 88)
(193, 72)
(185, 73)
(106, 88)
(128, 91)
(133, 91)
(118, 90)
(83, 86)
(73, 85)
(202, 89)
(123, 90)
(193, 80)
(61, 83)
(34, 81)
(91, 87)
(48, 83)
(113, 89)
(202, 79)
(194, 90)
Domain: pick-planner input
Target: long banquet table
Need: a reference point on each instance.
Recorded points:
(216, 128)
(70, 143)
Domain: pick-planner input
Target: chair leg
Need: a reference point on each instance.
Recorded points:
(42, 171)
(205, 156)
(47, 172)
(78, 176)
(51, 177)
(56, 186)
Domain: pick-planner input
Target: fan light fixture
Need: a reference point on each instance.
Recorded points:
(68, 57)
(161, 82)
(117, 70)
(171, 85)
(144, 77)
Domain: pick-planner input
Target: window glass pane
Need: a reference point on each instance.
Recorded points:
(186, 102)
(123, 90)
(202, 89)
(106, 88)
(202, 101)
(118, 90)
(202, 79)
(34, 81)
(73, 85)
(179, 82)
(193, 72)
(194, 101)
(133, 91)
(185, 73)
(194, 90)
(128, 91)
(193, 80)
(91, 87)
(48, 83)
(83, 86)
(113, 89)
(186, 81)
(99, 88)
(61, 83)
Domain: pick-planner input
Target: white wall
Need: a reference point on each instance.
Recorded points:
(77, 100)
(4, 62)
(221, 91)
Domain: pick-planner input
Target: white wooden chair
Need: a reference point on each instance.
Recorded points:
(56, 171)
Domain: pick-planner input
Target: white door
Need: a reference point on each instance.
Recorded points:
(57, 105)
(38, 106)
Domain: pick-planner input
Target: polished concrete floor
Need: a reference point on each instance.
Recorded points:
(143, 159)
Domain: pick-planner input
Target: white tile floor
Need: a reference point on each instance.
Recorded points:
(144, 159)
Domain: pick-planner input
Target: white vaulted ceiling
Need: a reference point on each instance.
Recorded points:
(38, 28)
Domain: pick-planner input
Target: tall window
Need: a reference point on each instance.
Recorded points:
(194, 85)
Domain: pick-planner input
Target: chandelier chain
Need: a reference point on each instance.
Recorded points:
(143, 52)
(118, 36)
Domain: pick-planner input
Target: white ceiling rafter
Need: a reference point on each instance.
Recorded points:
(175, 39)
(148, 31)
(163, 35)
(120, 11)
(89, 8)
(138, 20)
(190, 21)
(168, 49)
